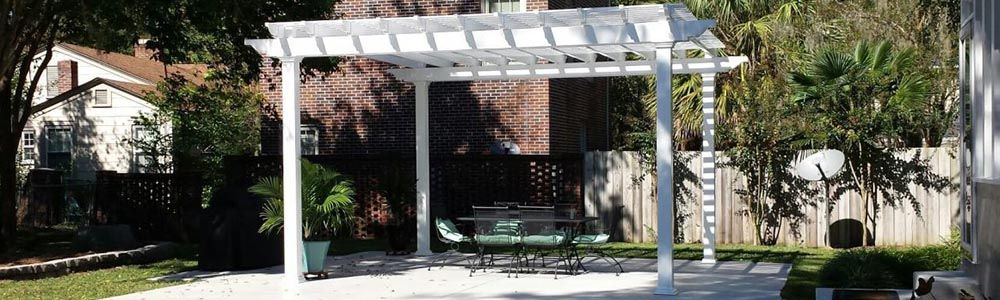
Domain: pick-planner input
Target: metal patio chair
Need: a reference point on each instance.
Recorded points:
(449, 234)
(592, 242)
(495, 229)
(542, 234)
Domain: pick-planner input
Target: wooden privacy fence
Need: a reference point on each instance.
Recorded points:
(156, 206)
(614, 179)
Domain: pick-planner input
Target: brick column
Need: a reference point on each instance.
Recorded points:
(67, 76)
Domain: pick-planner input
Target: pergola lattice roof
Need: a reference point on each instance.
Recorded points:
(584, 42)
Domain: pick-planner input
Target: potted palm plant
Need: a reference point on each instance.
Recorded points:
(398, 189)
(327, 209)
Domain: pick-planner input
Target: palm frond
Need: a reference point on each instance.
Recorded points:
(883, 53)
(831, 65)
(327, 202)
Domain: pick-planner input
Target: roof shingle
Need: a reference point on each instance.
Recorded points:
(146, 69)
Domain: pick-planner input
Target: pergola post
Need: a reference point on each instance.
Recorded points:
(423, 169)
(291, 171)
(708, 168)
(664, 174)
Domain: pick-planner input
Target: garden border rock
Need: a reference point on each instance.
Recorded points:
(145, 254)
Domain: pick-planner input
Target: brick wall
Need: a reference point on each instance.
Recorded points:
(578, 106)
(578, 115)
(67, 75)
(361, 109)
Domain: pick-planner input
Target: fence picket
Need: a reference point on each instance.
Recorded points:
(896, 226)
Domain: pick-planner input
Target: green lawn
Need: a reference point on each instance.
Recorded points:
(96, 284)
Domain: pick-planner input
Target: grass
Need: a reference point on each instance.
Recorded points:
(87, 285)
(887, 267)
(803, 279)
(96, 284)
(876, 267)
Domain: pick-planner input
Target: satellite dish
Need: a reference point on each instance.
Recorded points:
(820, 166)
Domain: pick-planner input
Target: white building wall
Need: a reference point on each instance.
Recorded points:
(982, 73)
(99, 133)
(87, 70)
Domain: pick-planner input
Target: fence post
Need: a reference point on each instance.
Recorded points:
(105, 198)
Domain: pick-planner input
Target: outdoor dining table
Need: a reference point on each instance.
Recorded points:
(565, 220)
(575, 222)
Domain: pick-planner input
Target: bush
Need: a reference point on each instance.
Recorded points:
(887, 267)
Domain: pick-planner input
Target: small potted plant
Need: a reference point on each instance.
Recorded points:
(327, 209)
(398, 189)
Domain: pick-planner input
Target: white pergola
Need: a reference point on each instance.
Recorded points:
(566, 43)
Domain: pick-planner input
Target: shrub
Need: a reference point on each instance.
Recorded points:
(887, 267)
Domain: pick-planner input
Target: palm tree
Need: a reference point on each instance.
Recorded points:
(862, 103)
(327, 202)
(748, 28)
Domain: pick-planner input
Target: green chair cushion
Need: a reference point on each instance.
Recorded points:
(497, 239)
(544, 240)
(449, 231)
(507, 227)
(591, 239)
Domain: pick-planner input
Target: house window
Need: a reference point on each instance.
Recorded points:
(28, 146)
(970, 160)
(310, 140)
(52, 81)
(59, 147)
(494, 6)
(102, 98)
(141, 159)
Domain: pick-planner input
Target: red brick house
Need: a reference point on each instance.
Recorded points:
(362, 109)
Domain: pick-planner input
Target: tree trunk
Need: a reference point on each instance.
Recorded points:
(8, 194)
(864, 223)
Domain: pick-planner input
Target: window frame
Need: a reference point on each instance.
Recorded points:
(967, 144)
(486, 5)
(314, 149)
(28, 149)
(107, 93)
(48, 144)
(136, 152)
(51, 86)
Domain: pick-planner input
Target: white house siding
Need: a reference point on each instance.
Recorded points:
(87, 70)
(99, 133)
(979, 30)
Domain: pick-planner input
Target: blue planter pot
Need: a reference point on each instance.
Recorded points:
(315, 255)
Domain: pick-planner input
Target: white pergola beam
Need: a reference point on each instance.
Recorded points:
(648, 34)
(303, 39)
(505, 46)
(708, 168)
(291, 153)
(428, 60)
(423, 168)
(399, 61)
(569, 70)
(664, 174)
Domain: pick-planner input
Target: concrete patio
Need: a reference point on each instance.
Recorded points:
(372, 275)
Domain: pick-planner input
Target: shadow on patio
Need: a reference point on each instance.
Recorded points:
(370, 275)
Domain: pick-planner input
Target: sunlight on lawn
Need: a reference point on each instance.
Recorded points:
(95, 284)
